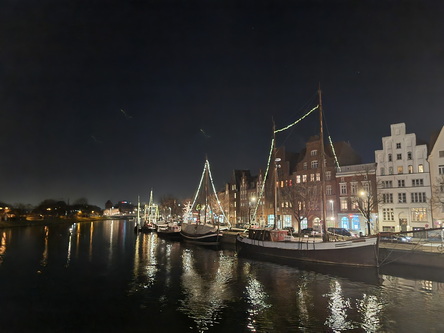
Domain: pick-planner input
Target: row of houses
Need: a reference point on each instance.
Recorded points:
(402, 190)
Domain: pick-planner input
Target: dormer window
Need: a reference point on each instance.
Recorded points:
(314, 152)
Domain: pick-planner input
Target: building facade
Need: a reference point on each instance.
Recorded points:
(358, 198)
(436, 164)
(403, 178)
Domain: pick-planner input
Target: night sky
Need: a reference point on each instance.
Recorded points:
(105, 100)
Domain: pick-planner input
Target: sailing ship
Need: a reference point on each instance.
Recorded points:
(199, 225)
(151, 216)
(276, 245)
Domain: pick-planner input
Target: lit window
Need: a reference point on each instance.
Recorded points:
(419, 214)
(312, 177)
(400, 170)
(298, 179)
(344, 205)
(304, 178)
(318, 177)
(410, 168)
(420, 168)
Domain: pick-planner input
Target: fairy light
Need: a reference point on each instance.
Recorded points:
(197, 192)
(261, 193)
(334, 153)
(297, 121)
(215, 193)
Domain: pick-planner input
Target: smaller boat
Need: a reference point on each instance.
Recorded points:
(170, 231)
(148, 227)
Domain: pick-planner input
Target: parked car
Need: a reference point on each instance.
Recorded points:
(388, 237)
(310, 232)
(340, 231)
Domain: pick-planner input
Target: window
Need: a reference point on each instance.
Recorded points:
(441, 188)
(328, 190)
(388, 214)
(420, 168)
(298, 179)
(389, 157)
(314, 152)
(399, 156)
(318, 177)
(382, 171)
(409, 155)
(305, 165)
(344, 205)
(387, 197)
(314, 164)
(419, 214)
(402, 198)
(304, 178)
(353, 188)
(387, 184)
(441, 169)
(400, 170)
(398, 145)
(328, 175)
(343, 188)
(366, 186)
(312, 177)
(418, 197)
(417, 182)
(441, 153)
(390, 170)
(401, 183)
(410, 168)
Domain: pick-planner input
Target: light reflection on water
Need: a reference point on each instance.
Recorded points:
(178, 287)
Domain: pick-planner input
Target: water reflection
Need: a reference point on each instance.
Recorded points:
(127, 277)
(44, 260)
(2, 246)
(205, 278)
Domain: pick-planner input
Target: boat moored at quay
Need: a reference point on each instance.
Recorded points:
(277, 245)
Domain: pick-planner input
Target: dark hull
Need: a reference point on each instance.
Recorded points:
(171, 235)
(363, 255)
(211, 238)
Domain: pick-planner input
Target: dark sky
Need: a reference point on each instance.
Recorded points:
(197, 78)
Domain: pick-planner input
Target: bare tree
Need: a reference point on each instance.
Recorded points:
(304, 200)
(437, 199)
(366, 199)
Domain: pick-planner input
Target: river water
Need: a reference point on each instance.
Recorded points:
(102, 277)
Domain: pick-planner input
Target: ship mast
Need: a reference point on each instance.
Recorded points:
(321, 137)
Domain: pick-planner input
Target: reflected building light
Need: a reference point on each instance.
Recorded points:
(110, 256)
(338, 306)
(44, 260)
(302, 297)
(204, 296)
(2, 246)
(370, 309)
(91, 232)
(257, 301)
(68, 256)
